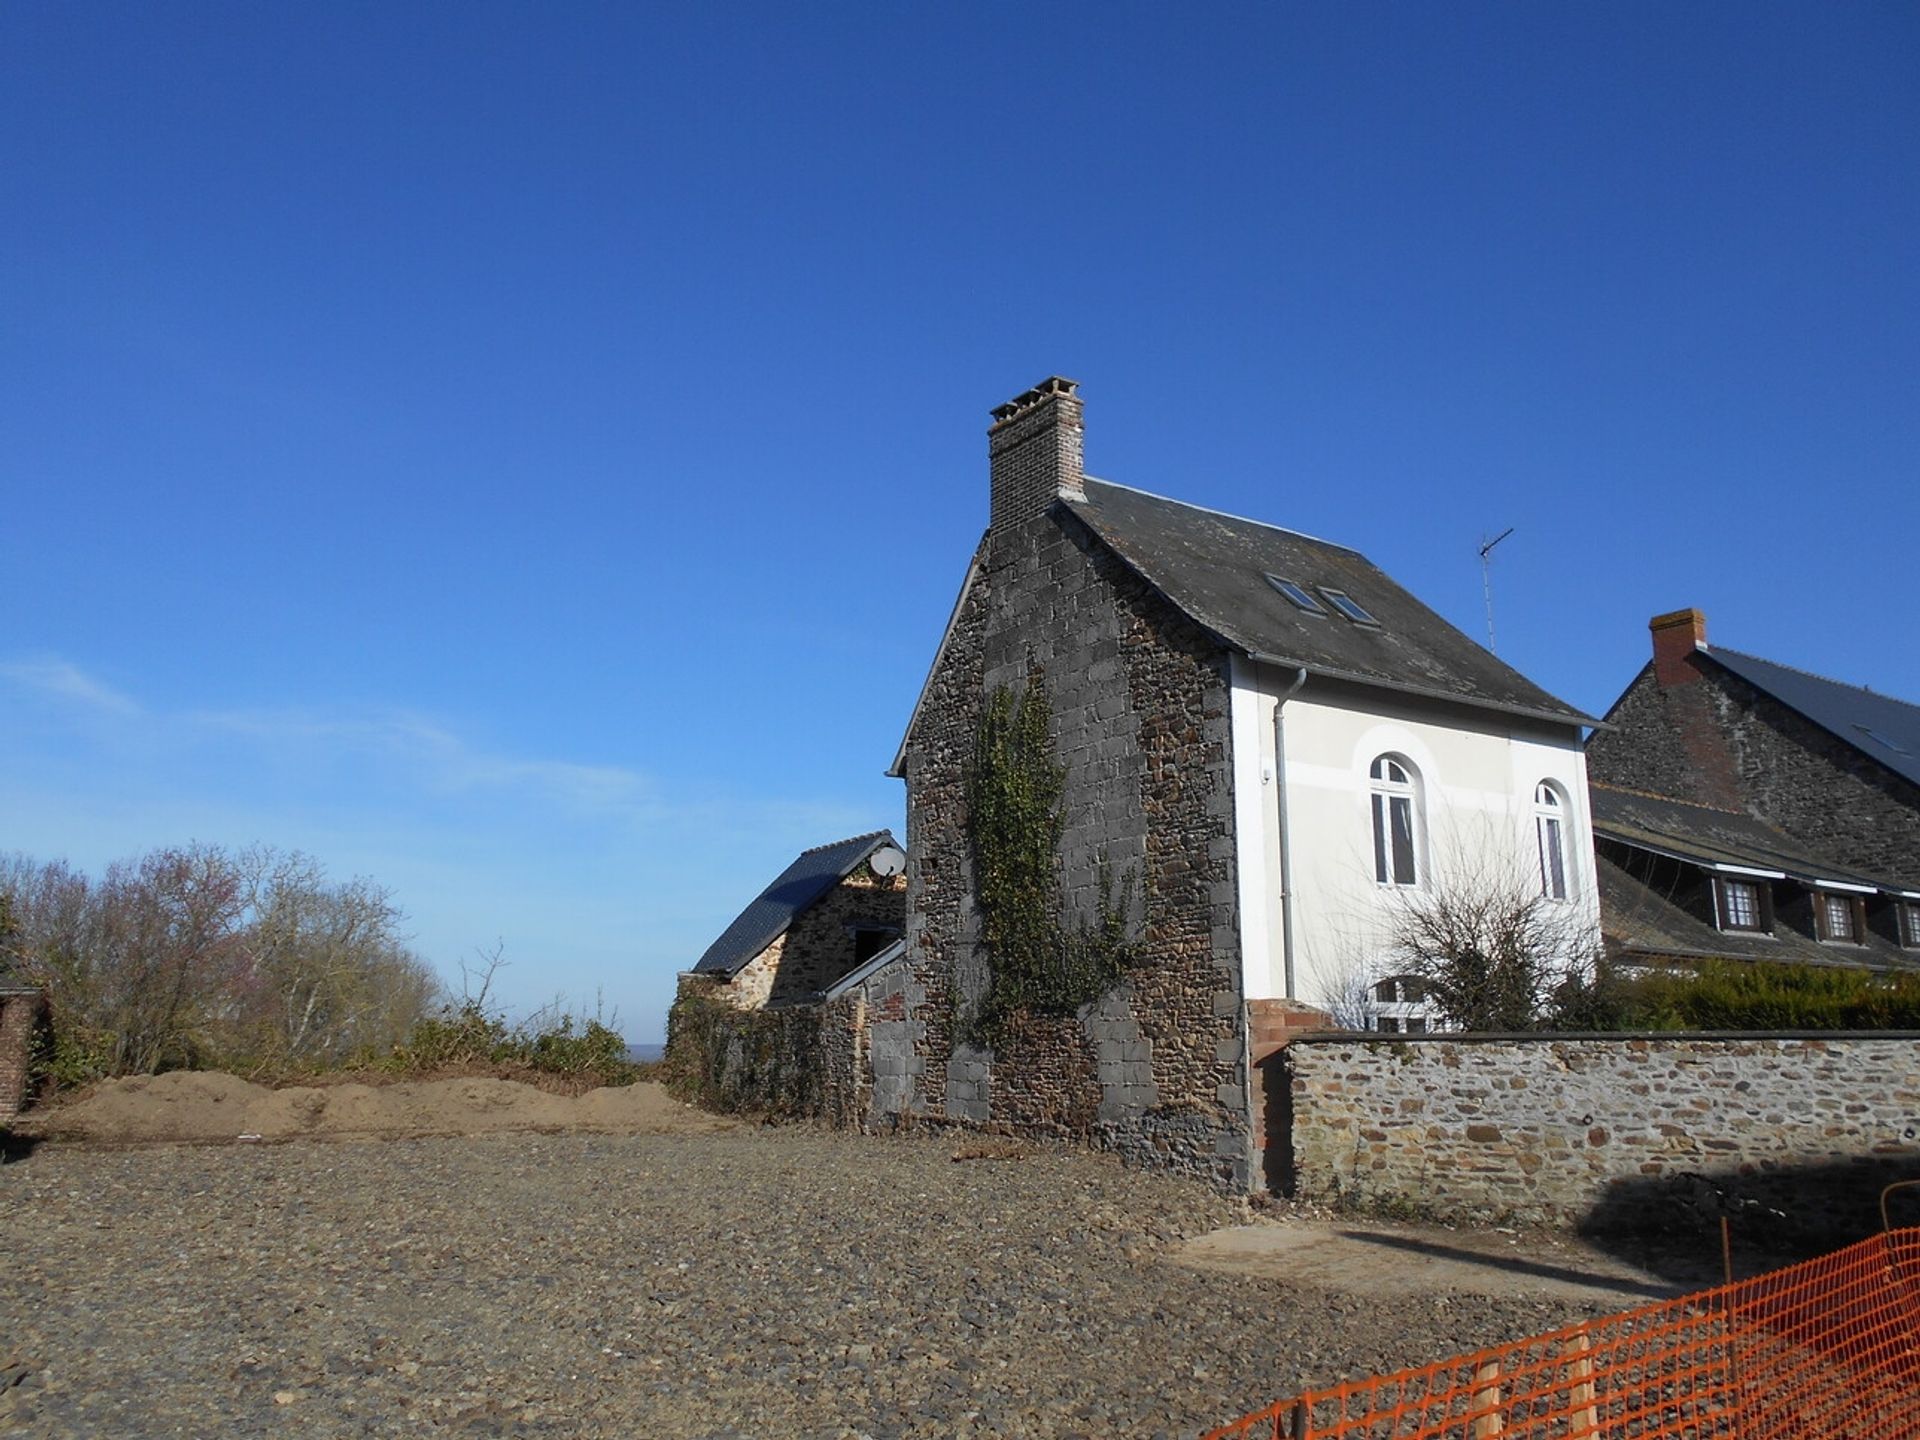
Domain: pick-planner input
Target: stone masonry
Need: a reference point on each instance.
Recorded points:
(21, 1012)
(1139, 698)
(1693, 730)
(1605, 1132)
(818, 948)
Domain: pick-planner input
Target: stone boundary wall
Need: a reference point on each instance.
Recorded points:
(1787, 1134)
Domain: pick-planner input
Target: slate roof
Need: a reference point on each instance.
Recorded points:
(815, 872)
(1214, 568)
(1707, 836)
(1650, 923)
(1877, 725)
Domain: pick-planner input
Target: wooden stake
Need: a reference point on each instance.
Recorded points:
(1300, 1414)
(1584, 1415)
(1487, 1421)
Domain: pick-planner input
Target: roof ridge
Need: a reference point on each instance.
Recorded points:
(1814, 675)
(1228, 515)
(1670, 799)
(836, 844)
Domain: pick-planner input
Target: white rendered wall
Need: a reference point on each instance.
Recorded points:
(1477, 775)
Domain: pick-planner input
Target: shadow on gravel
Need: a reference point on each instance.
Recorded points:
(15, 1148)
(1670, 1224)
(1511, 1264)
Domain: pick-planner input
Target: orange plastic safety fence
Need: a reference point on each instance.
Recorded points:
(1829, 1349)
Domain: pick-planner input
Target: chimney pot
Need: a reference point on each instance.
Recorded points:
(1676, 636)
(1035, 452)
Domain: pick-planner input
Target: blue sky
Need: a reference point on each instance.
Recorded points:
(526, 453)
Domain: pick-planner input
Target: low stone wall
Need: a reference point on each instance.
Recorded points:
(1787, 1133)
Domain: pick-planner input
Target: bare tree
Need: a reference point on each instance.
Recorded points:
(1490, 949)
(190, 955)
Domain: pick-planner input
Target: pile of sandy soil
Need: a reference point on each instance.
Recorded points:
(211, 1107)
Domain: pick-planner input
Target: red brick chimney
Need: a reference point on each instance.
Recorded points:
(1675, 638)
(1034, 452)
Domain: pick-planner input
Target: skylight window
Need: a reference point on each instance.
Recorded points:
(1348, 606)
(1298, 594)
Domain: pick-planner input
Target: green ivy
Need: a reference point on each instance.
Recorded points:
(1014, 822)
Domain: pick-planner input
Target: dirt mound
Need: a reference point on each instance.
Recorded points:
(208, 1106)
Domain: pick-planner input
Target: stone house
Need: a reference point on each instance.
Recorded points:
(827, 914)
(1748, 810)
(1274, 742)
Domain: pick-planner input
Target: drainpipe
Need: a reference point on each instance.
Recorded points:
(1286, 844)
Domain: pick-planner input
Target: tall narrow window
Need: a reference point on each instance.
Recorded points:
(1393, 822)
(1549, 832)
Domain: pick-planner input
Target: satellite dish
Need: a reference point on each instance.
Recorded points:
(888, 861)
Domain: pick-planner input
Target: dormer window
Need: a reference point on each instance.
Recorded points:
(1741, 904)
(1298, 594)
(1909, 924)
(1837, 917)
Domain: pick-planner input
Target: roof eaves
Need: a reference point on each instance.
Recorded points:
(897, 770)
(1556, 717)
(1770, 866)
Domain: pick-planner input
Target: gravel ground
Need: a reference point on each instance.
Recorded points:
(750, 1282)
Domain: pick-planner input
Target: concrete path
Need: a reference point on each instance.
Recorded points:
(1377, 1260)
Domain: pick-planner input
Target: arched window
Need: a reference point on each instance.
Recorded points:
(1550, 838)
(1395, 799)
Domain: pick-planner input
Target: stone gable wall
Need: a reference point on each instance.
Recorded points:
(817, 949)
(1606, 1132)
(1139, 697)
(1719, 741)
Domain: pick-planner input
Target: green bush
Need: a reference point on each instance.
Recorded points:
(1730, 995)
(471, 1035)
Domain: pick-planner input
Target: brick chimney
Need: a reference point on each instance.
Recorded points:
(1034, 452)
(1675, 637)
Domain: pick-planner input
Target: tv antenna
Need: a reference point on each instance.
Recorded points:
(1486, 580)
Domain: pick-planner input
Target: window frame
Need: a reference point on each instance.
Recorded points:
(1386, 796)
(1823, 929)
(1550, 817)
(1907, 922)
(1298, 595)
(1349, 608)
(1762, 905)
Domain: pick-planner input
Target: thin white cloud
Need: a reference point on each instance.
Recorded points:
(436, 756)
(65, 681)
(441, 758)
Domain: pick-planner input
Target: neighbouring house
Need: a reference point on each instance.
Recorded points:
(22, 1011)
(827, 914)
(1681, 883)
(1269, 746)
(1747, 810)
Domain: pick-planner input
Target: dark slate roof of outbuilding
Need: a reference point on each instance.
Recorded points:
(1877, 725)
(1647, 922)
(1214, 568)
(1708, 836)
(815, 872)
